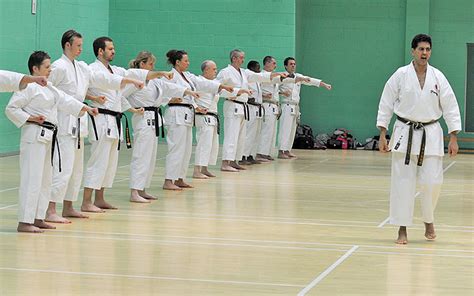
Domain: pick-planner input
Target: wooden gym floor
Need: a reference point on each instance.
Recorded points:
(311, 226)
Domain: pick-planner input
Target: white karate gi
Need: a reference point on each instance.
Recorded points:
(156, 93)
(207, 147)
(403, 96)
(179, 122)
(254, 124)
(35, 144)
(290, 111)
(234, 125)
(10, 81)
(74, 79)
(102, 165)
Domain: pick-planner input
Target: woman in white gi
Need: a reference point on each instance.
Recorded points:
(34, 109)
(179, 119)
(290, 110)
(146, 127)
(419, 95)
(235, 108)
(12, 81)
(207, 125)
(74, 78)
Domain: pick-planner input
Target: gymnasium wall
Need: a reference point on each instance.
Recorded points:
(21, 33)
(357, 47)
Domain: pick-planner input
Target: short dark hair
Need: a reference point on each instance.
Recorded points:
(36, 59)
(420, 38)
(69, 36)
(252, 65)
(175, 55)
(267, 59)
(285, 62)
(100, 43)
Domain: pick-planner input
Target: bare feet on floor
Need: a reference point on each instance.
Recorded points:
(25, 227)
(143, 194)
(169, 185)
(182, 184)
(135, 197)
(199, 175)
(91, 208)
(71, 213)
(402, 236)
(207, 173)
(43, 225)
(55, 218)
(228, 168)
(104, 205)
(429, 231)
(235, 165)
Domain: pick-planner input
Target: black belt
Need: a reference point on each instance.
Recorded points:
(185, 106)
(261, 110)
(216, 116)
(54, 128)
(246, 108)
(157, 111)
(118, 117)
(416, 125)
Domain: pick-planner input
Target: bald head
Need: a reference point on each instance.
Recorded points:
(209, 69)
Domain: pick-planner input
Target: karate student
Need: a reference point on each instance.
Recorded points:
(179, 120)
(74, 78)
(146, 127)
(290, 110)
(254, 124)
(419, 95)
(34, 109)
(107, 132)
(235, 108)
(12, 81)
(208, 124)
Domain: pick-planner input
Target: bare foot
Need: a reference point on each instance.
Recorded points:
(135, 197)
(55, 218)
(429, 231)
(171, 187)
(283, 155)
(207, 173)
(291, 155)
(71, 213)
(91, 208)
(25, 227)
(43, 225)
(228, 168)
(104, 205)
(143, 194)
(235, 165)
(182, 184)
(402, 236)
(198, 175)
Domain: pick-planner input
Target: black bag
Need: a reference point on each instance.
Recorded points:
(304, 137)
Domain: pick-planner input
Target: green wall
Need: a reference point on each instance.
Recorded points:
(357, 47)
(21, 33)
(206, 29)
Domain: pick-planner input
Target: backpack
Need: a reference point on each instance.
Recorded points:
(303, 137)
(341, 139)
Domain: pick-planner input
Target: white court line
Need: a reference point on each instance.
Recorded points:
(324, 160)
(271, 242)
(327, 271)
(9, 189)
(6, 207)
(150, 277)
(382, 224)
